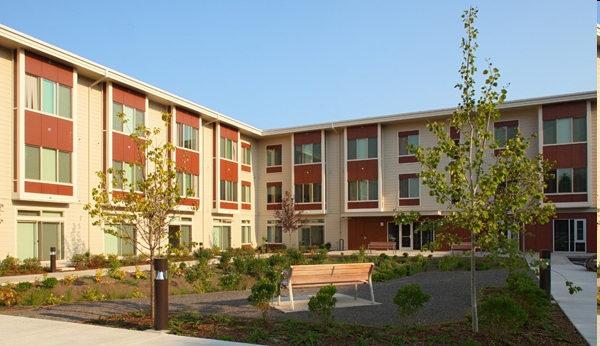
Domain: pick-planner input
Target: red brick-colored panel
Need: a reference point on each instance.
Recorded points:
(246, 145)
(307, 137)
(64, 190)
(408, 133)
(117, 144)
(229, 133)
(49, 132)
(246, 206)
(406, 159)
(130, 149)
(276, 183)
(407, 176)
(312, 206)
(229, 205)
(33, 128)
(246, 168)
(33, 65)
(509, 123)
(187, 118)
(454, 134)
(190, 160)
(363, 170)
(50, 189)
(64, 135)
(246, 183)
(363, 205)
(409, 201)
(363, 131)
(192, 202)
(564, 110)
(566, 198)
(567, 155)
(274, 206)
(65, 76)
(129, 97)
(229, 170)
(307, 174)
(48, 69)
(275, 169)
(33, 187)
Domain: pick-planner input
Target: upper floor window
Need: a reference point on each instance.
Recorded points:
(246, 232)
(188, 184)
(405, 140)
(363, 190)
(362, 148)
(228, 191)
(246, 193)
(307, 153)
(46, 164)
(47, 96)
(566, 130)
(273, 156)
(132, 118)
(567, 180)
(308, 193)
(127, 175)
(409, 187)
(228, 149)
(246, 155)
(274, 194)
(504, 132)
(187, 137)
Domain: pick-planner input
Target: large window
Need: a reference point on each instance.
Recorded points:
(122, 242)
(46, 164)
(363, 190)
(246, 194)
(228, 191)
(246, 232)
(409, 187)
(180, 235)
(567, 130)
(273, 156)
(274, 233)
(188, 184)
(228, 149)
(311, 235)
(274, 194)
(127, 175)
(187, 137)
(37, 231)
(569, 235)
(307, 153)
(503, 133)
(567, 180)
(246, 155)
(132, 118)
(362, 148)
(221, 237)
(47, 96)
(405, 140)
(307, 193)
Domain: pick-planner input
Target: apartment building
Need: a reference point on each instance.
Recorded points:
(59, 126)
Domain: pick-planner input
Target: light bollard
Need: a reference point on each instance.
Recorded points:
(53, 260)
(545, 273)
(161, 294)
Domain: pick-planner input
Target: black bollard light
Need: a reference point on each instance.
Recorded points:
(53, 260)
(267, 247)
(545, 273)
(161, 294)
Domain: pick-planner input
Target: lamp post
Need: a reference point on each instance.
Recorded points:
(161, 294)
(545, 273)
(53, 260)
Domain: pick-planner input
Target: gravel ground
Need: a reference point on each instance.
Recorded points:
(450, 301)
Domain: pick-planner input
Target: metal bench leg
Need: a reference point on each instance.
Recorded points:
(291, 296)
(372, 295)
(355, 292)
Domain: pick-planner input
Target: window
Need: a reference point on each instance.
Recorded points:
(126, 175)
(311, 235)
(246, 156)
(503, 133)
(187, 137)
(363, 190)
(569, 235)
(246, 232)
(308, 193)
(274, 233)
(55, 98)
(246, 194)
(567, 180)
(120, 244)
(362, 148)
(567, 130)
(228, 191)
(307, 153)
(228, 149)
(188, 184)
(405, 140)
(273, 156)
(36, 235)
(221, 237)
(47, 164)
(274, 194)
(132, 118)
(409, 187)
(180, 235)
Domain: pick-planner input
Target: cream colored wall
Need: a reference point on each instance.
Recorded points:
(335, 227)
(7, 212)
(202, 228)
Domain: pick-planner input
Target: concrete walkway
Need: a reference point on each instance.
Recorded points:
(580, 308)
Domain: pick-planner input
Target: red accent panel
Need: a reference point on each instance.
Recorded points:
(33, 187)
(364, 131)
(49, 132)
(407, 176)
(190, 160)
(363, 205)
(508, 123)
(408, 133)
(33, 128)
(362, 170)
(564, 110)
(124, 148)
(306, 174)
(411, 201)
(229, 133)
(129, 97)
(246, 183)
(229, 170)
(274, 206)
(246, 206)
(64, 135)
(565, 198)
(307, 137)
(246, 168)
(64, 190)
(314, 206)
(274, 169)
(406, 159)
(567, 155)
(246, 145)
(189, 202)
(48, 69)
(229, 205)
(187, 118)
(49, 189)
(277, 183)
(454, 134)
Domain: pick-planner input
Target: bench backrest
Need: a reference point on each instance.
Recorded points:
(382, 243)
(300, 274)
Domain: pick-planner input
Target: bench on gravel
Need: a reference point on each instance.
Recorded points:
(382, 245)
(464, 246)
(319, 275)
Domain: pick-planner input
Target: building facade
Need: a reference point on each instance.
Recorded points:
(59, 126)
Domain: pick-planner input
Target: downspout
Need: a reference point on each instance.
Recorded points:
(340, 143)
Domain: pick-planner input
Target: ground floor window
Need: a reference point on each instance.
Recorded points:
(180, 235)
(246, 232)
(37, 232)
(408, 237)
(221, 237)
(312, 233)
(569, 235)
(122, 242)
(274, 233)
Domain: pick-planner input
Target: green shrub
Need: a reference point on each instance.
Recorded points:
(319, 257)
(93, 295)
(68, 280)
(200, 277)
(261, 294)
(79, 260)
(49, 282)
(451, 262)
(321, 305)
(502, 314)
(9, 297)
(526, 293)
(279, 262)
(225, 261)
(295, 256)
(258, 267)
(410, 299)
(31, 265)
(230, 282)
(98, 260)
(23, 286)
(10, 263)
(203, 255)
(115, 270)
(240, 264)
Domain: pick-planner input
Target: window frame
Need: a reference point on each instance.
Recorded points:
(182, 141)
(410, 181)
(576, 134)
(58, 172)
(577, 181)
(274, 157)
(274, 194)
(313, 190)
(228, 190)
(36, 100)
(228, 149)
(307, 153)
(406, 139)
(188, 181)
(363, 189)
(365, 148)
(133, 171)
(510, 132)
(136, 117)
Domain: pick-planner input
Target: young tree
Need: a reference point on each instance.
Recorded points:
(288, 218)
(141, 210)
(490, 190)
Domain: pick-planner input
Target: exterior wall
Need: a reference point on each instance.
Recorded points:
(7, 212)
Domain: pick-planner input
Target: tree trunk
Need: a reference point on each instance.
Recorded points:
(475, 321)
(152, 274)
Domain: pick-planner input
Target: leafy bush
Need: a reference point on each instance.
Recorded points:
(203, 255)
(79, 260)
(68, 280)
(23, 286)
(93, 295)
(295, 256)
(502, 314)
(99, 276)
(50, 282)
(31, 264)
(10, 263)
(98, 260)
(9, 297)
(141, 275)
(230, 282)
(225, 261)
(410, 299)
(321, 305)
(199, 276)
(320, 257)
(115, 270)
(450, 263)
(261, 294)
(54, 300)
(526, 293)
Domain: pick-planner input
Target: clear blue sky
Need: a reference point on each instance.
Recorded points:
(273, 64)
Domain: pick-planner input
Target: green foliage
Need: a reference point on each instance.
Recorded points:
(31, 265)
(526, 293)
(502, 314)
(54, 300)
(410, 299)
(9, 297)
(23, 286)
(79, 260)
(93, 295)
(295, 256)
(204, 255)
(200, 277)
(141, 275)
(225, 261)
(321, 305)
(319, 257)
(451, 263)
(115, 270)
(230, 282)
(49, 282)
(96, 261)
(261, 294)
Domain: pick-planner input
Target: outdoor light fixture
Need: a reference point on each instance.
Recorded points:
(53, 260)
(161, 294)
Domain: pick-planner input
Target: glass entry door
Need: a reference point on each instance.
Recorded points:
(569, 235)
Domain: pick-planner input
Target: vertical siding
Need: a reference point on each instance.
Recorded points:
(7, 213)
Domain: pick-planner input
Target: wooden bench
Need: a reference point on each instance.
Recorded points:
(384, 245)
(464, 246)
(319, 275)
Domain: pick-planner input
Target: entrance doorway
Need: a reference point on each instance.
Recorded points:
(406, 238)
(569, 235)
